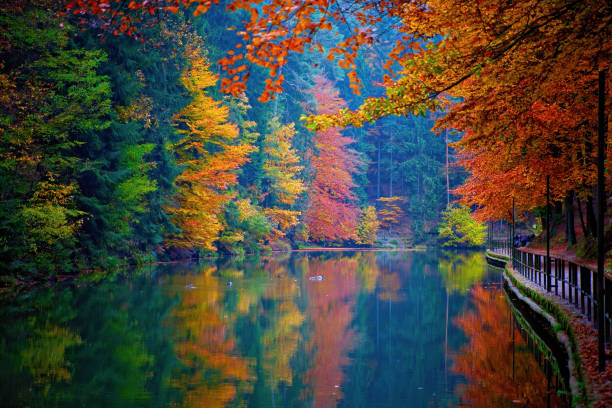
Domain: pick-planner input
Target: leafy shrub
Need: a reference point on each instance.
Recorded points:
(459, 229)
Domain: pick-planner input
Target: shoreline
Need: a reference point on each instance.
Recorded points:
(598, 384)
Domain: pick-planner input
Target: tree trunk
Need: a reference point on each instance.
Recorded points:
(570, 229)
(590, 216)
(447, 180)
(584, 230)
(556, 215)
(378, 172)
(391, 169)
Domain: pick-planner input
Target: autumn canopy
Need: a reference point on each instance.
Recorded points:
(518, 78)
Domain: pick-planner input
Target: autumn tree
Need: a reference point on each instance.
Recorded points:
(390, 211)
(282, 182)
(331, 213)
(518, 78)
(368, 226)
(52, 98)
(245, 227)
(209, 158)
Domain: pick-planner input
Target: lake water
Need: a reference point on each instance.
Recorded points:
(350, 329)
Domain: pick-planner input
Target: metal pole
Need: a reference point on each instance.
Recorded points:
(547, 262)
(447, 179)
(512, 236)
(601, 210)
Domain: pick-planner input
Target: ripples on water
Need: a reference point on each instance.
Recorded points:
(354, 329)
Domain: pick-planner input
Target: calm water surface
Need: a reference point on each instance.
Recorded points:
(354, 329)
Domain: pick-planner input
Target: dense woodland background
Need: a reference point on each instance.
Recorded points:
(119, 151)
(129, 134)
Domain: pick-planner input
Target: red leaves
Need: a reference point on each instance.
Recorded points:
(331, 213)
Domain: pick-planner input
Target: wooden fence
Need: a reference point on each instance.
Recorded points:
(566, 279)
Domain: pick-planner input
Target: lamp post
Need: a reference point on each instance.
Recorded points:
(601, 211)
(547, 261)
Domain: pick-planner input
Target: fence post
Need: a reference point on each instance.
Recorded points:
(547, 261)
(570, 280)
(512, 234)
(601, 210)
(562, 272)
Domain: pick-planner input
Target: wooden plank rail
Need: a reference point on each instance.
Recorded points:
(567, 279)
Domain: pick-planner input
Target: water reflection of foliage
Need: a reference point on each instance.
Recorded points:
(45, 354)
(400, 359)
(215, 373)
(86, 346)
(272, 337)
(367, 270)
(331, 305)
(281, 336)
(34, 346)
(461, 270)
(493, 378)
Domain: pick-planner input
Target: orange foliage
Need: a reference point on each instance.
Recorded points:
(203, 185)
(524, 72)
(495, 379)
(390, 211)
(331, 213)
(330, 303)
(476, 35)
(205, 344)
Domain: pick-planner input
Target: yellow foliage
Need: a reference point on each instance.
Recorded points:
(203, 185)
(281, 220)
(246, 209)
(281, 165)
(390, 213)
(368, 226)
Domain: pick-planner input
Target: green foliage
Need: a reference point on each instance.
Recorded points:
(459, 229)
(85, 125)
(53, 97)
(87, 172)
(243, 230)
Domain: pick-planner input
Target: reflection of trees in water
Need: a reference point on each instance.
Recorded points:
(461, 270)
(87, 346)
(33, 353)
(45, 352)
(400, 361)
(283, 320)
(206, 345)
(373, 326)
(494, 379)
(330, 310)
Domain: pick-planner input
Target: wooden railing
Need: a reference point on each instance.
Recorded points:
(566, 279)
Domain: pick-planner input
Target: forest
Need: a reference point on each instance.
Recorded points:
(146, 131)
